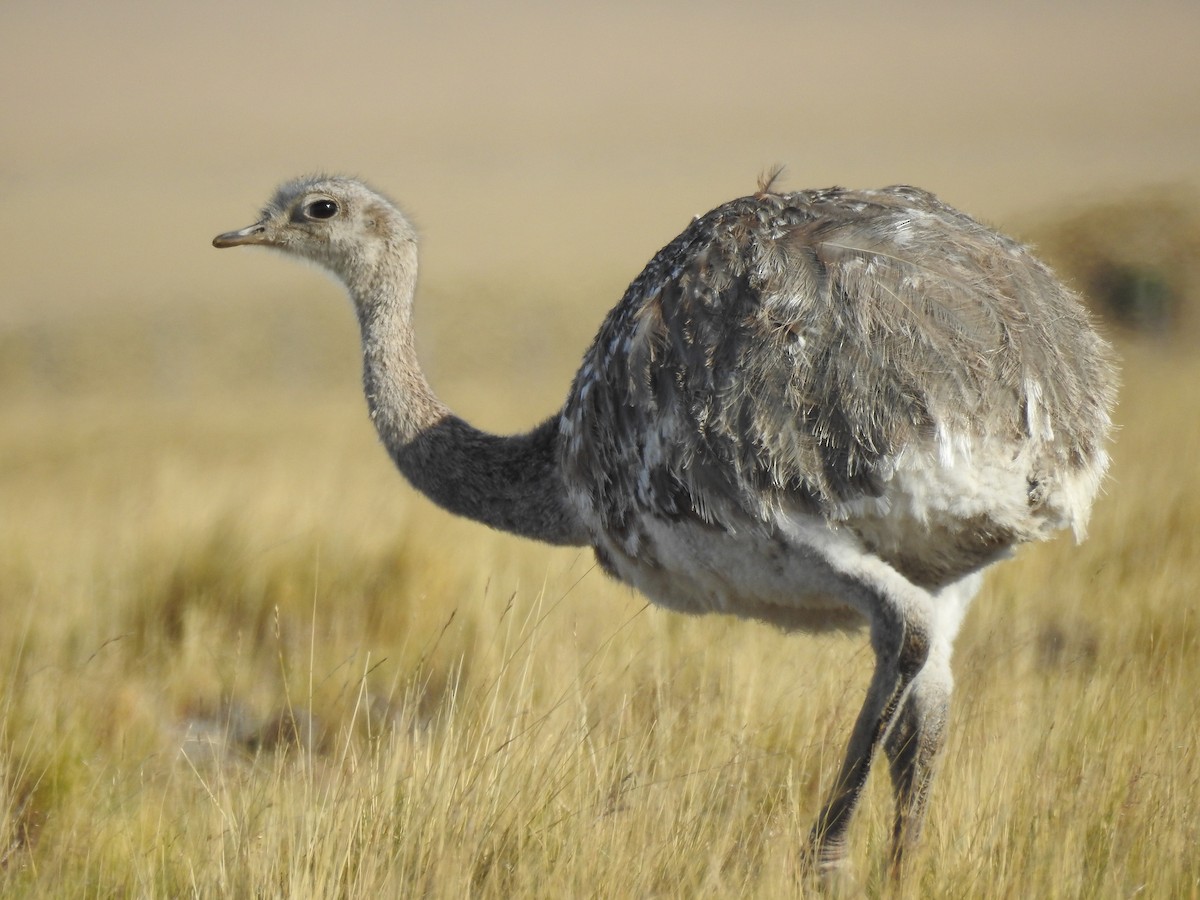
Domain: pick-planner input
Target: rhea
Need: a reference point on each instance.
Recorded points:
(817, 409)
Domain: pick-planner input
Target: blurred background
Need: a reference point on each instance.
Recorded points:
(204, 554)
(546, 151)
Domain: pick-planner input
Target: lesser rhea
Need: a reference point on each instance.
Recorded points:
(817, 409)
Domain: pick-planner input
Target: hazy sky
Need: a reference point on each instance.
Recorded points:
(559, 142)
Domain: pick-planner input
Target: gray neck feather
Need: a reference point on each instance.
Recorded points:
(510, 483)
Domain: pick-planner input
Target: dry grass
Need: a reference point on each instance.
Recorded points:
(241, 659)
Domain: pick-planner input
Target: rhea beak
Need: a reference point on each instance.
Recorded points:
(251, 234)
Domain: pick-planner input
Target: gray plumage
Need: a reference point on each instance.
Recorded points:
(816, 409)
(786, 349)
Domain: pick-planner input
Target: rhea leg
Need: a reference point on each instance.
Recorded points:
(914, 741)
(901, 647)
(902, 618)
(913, 745)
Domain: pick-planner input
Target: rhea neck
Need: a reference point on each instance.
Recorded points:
(511, 483)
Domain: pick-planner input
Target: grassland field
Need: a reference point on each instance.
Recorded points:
(242, 658)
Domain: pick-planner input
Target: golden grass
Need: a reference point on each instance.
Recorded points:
(241, 658)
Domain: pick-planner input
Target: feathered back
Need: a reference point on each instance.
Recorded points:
(791, 350)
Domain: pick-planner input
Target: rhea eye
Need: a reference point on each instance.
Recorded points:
(321, 209)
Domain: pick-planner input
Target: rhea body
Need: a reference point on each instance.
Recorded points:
(816, 409)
